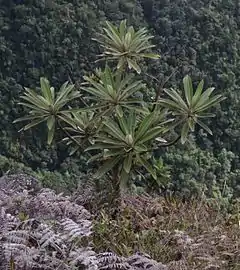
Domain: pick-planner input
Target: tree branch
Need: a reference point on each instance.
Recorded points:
(69, 135)
(160, 87)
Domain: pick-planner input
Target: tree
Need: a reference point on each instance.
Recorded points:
(123, 133)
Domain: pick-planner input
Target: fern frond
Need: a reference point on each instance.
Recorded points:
(76, 230)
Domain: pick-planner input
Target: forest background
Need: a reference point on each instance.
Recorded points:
(54, 39)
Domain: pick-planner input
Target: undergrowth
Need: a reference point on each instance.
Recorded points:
(40, 230)
(190, 235)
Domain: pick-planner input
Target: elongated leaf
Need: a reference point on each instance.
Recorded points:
(45, 87)
(124, 126)
(205, 127)
(119, 110)
(35, 101)
(127, 163)
(188, 89)
(27, 118)
(74, 150)
(133, 65)
(113, 33)
(147, 166)
(112, 129)
(171, 104)
(177, 98)
(205, 115)
(151, 134)
(122, 29)
(210, 103)
(50, 135)
(122, 61)
(127, 40)
(142, 110)
(144, 126)
(197, 94)
(150, 55)
(131, 89)
(132, 122)
(124, 176)
(191, 123)
(36, 109)
(106, 167)
(184, 132)
(113, 153)
(104, 138)
(95, 157)
(204, 98)
(34, 123)
(51, 122)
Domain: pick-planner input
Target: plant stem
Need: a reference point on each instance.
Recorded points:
(69, 135)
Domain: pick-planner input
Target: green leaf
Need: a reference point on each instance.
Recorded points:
(119, 111)
(205, 127)
(184, 133)
(151, 134)
(128, 39)
(124, 176)
(102, 146)
(191, 123)
(124, 126)
(171, 104)
(177, 98)
(95, 157)
(45, 87)
(121, 63)
(188, 89)
(106, 167)
(197, 94)
(34, 123)
(144, 126)
(112, 129)
(50, 135)
(150, 55)
(210, 103)
(122, 29)
(133, 65)
(113, 33)
(204, 97)
(26, 118)
(127, 163)
(147, 166)
(50, 122)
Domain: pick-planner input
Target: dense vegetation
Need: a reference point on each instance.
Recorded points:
(44, 230)
(53, 39)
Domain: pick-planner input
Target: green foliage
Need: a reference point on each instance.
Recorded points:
(113, 91)
(53, 39)
(47, 107)
(125, 45)
(188, 112)
(124, 140)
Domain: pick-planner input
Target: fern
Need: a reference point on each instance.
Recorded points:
(110, 261)
(83, 258)
(39, 231)
(74, 230)
(45, 230)
(141, 261)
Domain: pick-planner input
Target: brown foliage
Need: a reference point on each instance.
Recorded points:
(183, 235)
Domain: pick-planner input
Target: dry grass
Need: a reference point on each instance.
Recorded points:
(181, 235)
